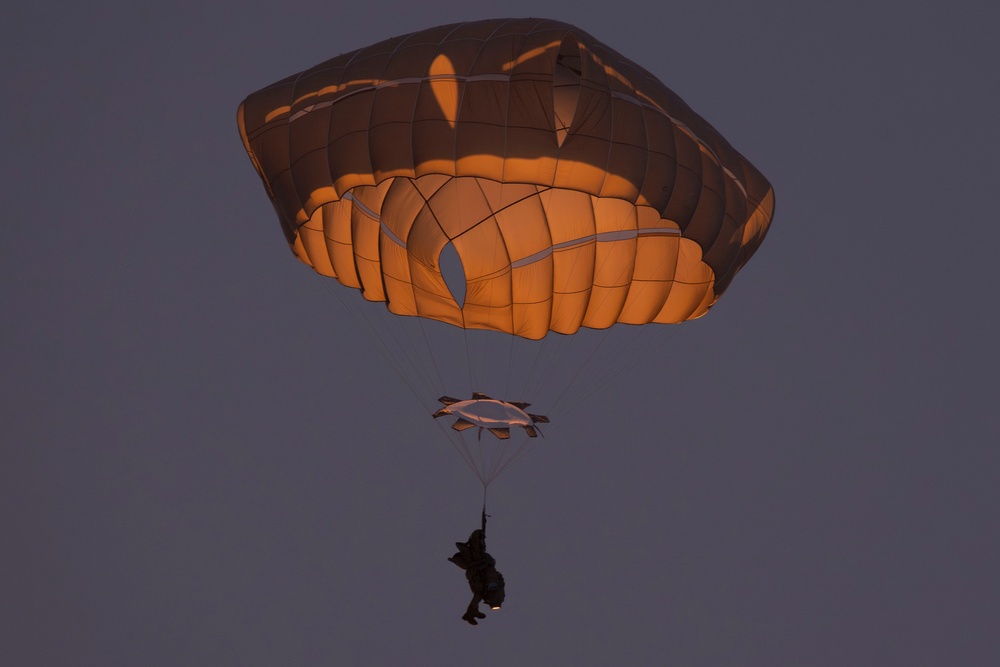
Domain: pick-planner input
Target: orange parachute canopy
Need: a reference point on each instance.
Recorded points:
(575, 188)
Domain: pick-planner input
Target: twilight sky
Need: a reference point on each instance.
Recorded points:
(203, 462)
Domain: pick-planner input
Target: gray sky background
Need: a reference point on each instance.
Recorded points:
(195, 469)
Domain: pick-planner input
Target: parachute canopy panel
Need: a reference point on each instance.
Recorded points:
(576, 189)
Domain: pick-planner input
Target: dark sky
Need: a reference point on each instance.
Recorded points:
(204, 463)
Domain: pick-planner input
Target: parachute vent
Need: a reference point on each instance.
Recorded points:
(566, 86)
(453, 273)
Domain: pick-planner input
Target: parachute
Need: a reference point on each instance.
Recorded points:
(571, 189)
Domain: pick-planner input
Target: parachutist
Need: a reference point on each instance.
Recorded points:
(480, 570)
